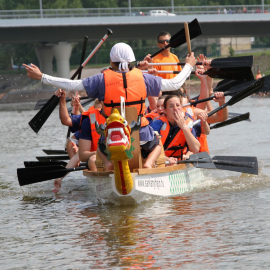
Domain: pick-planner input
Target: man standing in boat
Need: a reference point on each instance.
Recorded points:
(118, 81)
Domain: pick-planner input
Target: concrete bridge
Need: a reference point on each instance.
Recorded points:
(61, 31)
(130, 27)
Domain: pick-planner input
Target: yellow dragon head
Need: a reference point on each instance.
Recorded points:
(117, 133)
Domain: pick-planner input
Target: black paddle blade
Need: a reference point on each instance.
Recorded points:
(33, 175)
(235, 73)
(238, 164)
(53, 158)
(40, 118)
(253, 87)
(242, 86)
(226, 85)
(29, 164)
(232, 115)
(231, 62)
(28, 176)
(180, 37)
(234, 120)
(54, 152)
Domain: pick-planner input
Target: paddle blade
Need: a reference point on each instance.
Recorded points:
(238, 164)
(234, 120)
(53, 158)
(40, 118)
(255, 86)
(54, 152)
(33, 175)
(226, 85)
(242, 61)
(235, 73)
(231, 115)
(180, 37)
(28, 176)
(29, 164)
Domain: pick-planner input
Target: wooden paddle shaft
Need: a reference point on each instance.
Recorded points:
(187, 37)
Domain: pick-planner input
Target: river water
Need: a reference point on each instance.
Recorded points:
(223, 224)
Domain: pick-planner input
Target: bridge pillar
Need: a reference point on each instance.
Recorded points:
(62, 52)
(45, 57)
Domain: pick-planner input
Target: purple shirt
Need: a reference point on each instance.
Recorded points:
(95, 85)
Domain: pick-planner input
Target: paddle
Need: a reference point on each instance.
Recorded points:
(40, 103)
(231, 115)
(239, 73)
(180, 37)
(229, 93)
(230, 163)
(252, 88)
(29, 164)
(54, 152)
(187, 38)
(41, 117)
(33, 175)
(53, 158)
(229, 62)
(234, 120)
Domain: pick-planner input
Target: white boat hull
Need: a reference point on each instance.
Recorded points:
(180, 179)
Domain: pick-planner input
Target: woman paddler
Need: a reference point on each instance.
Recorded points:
(118, 81)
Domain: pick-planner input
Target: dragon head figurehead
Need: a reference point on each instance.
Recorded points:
(117, 133)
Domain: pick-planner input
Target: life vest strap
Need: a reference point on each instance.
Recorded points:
(112, 104)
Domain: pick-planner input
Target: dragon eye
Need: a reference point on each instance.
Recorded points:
(125, 123)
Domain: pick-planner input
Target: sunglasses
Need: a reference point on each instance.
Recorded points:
(163, 41)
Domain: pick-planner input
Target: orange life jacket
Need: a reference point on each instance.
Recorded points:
(94, 115)
(202, 138)
(152, 115)
(129, 85)
(177, 146)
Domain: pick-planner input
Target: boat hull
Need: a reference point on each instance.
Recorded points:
(173, 181)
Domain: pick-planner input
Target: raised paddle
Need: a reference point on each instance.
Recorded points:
(41, 117)
(229, 62)
(187, 38)
(30, 164)
(180, 37)
(33, 175)
(229, 93)
(249, 90)
(53, 158)
(241, 73)
(40, 103)
(233, 120)
(231, 163)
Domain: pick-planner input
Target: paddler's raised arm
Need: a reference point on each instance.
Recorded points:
(34, 73)
(178, 81)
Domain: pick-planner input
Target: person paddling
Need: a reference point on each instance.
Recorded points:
(120, 81)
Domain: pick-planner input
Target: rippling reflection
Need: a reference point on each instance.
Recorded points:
(223, 224)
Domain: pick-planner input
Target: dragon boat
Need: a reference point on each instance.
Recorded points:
(130, 183)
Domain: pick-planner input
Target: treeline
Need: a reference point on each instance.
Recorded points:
(64, 4)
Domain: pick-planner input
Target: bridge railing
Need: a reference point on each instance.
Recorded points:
(135, 11)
